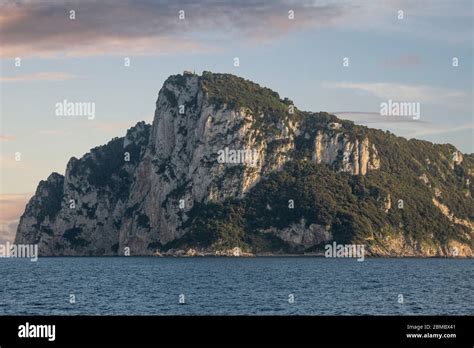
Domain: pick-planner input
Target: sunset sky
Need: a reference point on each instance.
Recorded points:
(82, 60)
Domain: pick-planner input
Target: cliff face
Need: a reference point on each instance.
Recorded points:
(80, 213)
(357, 157)
(199, 176)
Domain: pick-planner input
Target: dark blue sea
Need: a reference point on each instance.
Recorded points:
(236, 286)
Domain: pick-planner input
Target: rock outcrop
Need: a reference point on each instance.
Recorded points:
(144, 193)
(357, 156)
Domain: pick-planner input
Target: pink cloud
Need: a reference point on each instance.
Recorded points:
(44, 28)
(6, 137)
(41, 76)
(11, 208)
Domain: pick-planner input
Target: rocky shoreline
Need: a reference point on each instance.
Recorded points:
(238, 252)
(234, 252)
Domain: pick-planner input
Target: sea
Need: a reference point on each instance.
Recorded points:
(236, 286)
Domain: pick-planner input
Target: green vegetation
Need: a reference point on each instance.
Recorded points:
(238, 92)
(50, 205)
(235, 93)
(105, 166)
(353, 207)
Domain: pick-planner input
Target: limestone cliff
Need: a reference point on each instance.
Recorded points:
(164, 185)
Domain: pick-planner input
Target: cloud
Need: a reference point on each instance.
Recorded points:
(403, 61)
(9, 162)
(442, 130)
(99, 126)
(11, 208)
(369, 117)
(41, 76)
(6, 137)
(148, 27)
(11, 204)
(406, 92)
(8, 231)
(54, 132)
(405, 126)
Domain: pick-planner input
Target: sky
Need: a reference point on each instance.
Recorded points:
(396, 50)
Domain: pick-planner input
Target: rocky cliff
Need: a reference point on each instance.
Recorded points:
(227, 163)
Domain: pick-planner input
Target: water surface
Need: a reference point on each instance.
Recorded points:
(231, 286)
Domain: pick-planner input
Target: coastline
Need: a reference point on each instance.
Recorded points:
(253, 256)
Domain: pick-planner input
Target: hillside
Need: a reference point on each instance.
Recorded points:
(314, 179)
